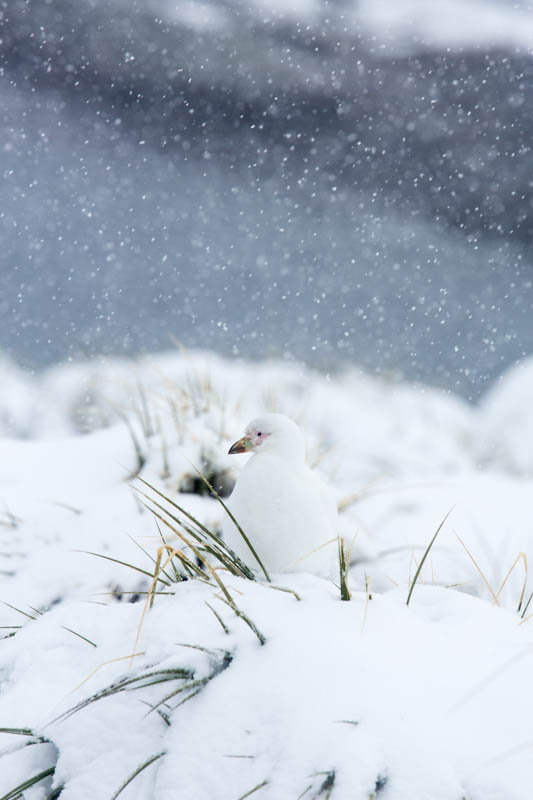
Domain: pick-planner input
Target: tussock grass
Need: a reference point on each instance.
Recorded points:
(197, 553)
(188, 685)
(202, 554)
(208, 542)
(232, 518)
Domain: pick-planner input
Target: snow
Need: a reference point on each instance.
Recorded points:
(506, 421)
(366, 698)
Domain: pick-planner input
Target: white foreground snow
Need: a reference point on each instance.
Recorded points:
(363, 699)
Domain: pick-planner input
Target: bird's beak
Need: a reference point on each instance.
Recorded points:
(242, 446)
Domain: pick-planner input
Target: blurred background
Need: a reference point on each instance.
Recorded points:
(330, 181)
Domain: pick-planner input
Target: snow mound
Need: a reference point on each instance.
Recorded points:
(357, 699)
(505, 421)
(225, 685)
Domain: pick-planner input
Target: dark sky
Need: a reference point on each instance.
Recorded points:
(265, 189)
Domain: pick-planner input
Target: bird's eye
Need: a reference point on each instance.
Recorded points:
(259, 433)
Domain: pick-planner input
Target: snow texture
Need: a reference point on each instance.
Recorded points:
(370, 698)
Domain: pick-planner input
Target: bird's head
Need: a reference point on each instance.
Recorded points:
(273, 433)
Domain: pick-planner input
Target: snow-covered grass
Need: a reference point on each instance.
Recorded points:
(221, 686)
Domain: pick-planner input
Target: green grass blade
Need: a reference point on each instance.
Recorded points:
(141, 458)
(255, 789)
(127, 684)
(232, 518)
(17, 791)
(192, 685)
(175, 505)
(219, 618)
(24, 613)
(124, 564)
(177, 575)
(523, 614)
(85, 639)
(426, 553)
(343, 571)
(146, 553)
(220, 543)
(245, 618)
(138, 771)
(192, 569)
(18, 731)
(55, 793)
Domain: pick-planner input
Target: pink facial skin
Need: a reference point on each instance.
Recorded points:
(250, 441)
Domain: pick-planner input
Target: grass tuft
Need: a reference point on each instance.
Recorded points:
(230, 515)
(140, 681)
(149, 678)
(210, 541)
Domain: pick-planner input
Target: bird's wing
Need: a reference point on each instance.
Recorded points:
(327, 501)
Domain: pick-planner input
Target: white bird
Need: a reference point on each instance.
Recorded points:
(285, 510)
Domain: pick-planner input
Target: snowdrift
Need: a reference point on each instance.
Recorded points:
(127, 680)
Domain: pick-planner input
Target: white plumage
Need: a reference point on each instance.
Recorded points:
(283, 507)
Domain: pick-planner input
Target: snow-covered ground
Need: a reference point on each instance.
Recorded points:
(277, 695)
